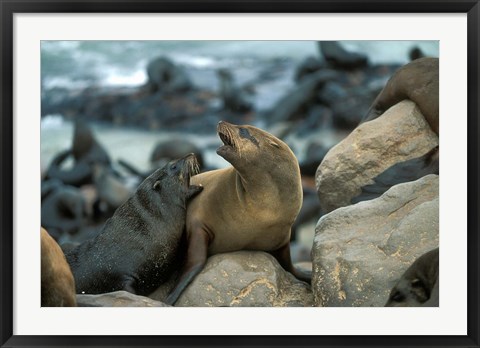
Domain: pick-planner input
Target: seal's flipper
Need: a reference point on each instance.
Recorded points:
(130, 168)
(196, 257)
(283, 257)
(194, 190)
(80, 174)
(129, 285)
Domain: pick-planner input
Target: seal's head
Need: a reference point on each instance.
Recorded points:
(83, 139)
(175, 172)
(248, 146)
(170, 184)
(409, 293)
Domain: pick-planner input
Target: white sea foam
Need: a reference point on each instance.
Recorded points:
(52, 121)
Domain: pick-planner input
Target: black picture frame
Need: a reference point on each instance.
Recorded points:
(10, 7)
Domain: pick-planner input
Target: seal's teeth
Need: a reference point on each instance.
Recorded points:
(225, 139)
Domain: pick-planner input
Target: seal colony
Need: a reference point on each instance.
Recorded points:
(250, 205)
(86, 151)
(137, 248)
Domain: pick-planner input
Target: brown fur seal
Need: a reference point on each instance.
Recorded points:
(418, 286)
(137, 247)
(58, 286)
(417, 81)
(85, 151)
(111, 189)
(251, 205)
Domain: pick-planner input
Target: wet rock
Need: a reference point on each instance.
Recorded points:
(293, 105)
(361, 251)
(117, 299)
(245, 278)
(310, 211)
(400, 134)
(318, 117)
(314, 155)
(339, 57)
(309, 66)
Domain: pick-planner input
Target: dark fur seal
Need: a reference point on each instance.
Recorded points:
(233, 97)
(417, 81)
(137, 247)
(86, 151)
(251, 205)
(418, 286)
(58, 285)
(165, 76)
(63, 211)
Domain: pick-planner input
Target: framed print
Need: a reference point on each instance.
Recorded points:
(279, 157)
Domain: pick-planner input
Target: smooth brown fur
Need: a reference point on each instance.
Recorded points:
(417, 81)
(251, 205)
(58, 285)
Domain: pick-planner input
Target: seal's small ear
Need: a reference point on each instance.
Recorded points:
(274, 144)
(156, 186)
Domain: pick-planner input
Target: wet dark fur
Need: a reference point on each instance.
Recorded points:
(417, 81)
(63, 211)
(418, 286)
(137, 247)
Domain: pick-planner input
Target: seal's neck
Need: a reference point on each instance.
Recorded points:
(255, 185)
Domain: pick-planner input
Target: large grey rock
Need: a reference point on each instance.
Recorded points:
(117, 299)
(245, 278)
(360, 251)
(400, 134)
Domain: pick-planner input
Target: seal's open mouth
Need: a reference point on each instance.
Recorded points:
(190, 167)
(225, 139)
(227, 136)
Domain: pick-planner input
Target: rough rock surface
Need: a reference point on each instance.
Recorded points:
(360, 251)
(245, 278)
(117, 299)
(400, 134)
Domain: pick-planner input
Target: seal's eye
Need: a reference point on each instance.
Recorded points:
(274, 144)
(156, 185)
(244, 133)
(417, 283)
(174, 166)
(398, 297)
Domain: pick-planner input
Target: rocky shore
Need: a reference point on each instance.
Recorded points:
(357, 231)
